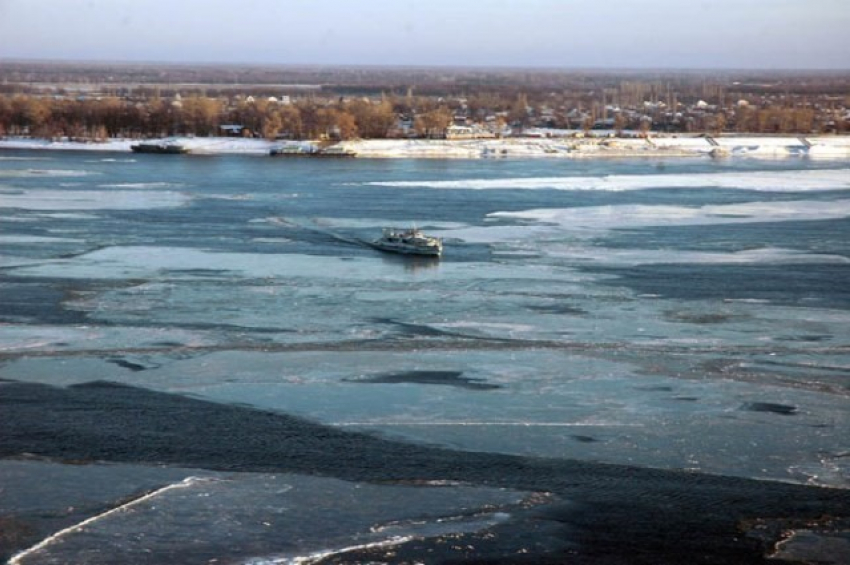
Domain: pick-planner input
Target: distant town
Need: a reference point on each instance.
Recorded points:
(99, 101)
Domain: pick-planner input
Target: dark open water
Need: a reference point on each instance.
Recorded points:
(204, 358)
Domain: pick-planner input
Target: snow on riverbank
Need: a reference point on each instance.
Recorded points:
(196, 145)
(831, 147)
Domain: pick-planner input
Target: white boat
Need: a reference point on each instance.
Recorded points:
(409, 241)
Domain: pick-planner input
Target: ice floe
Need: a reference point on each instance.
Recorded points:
(764, 181)
(637, 215)
(47, 199)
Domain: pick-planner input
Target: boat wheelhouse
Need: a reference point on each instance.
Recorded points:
(410, 242)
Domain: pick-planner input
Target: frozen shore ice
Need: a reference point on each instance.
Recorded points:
(835, 147)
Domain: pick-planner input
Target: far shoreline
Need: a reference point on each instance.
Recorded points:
(547, 147)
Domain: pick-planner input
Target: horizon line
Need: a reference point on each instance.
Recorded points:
(425, 66)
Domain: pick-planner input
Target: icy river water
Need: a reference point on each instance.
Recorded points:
(682, 315)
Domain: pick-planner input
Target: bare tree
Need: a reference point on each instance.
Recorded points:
(433, 123)
(290, 117)
(272, 124)
(346, 124)
(619, 124)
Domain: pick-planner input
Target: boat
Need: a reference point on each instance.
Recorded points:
(163, 148)
(293, 151)
(311, 151)
(335, 151)
(409, 242)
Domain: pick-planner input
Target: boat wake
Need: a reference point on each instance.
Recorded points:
(315, 227)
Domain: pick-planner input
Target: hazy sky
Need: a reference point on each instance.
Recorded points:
(543, 33)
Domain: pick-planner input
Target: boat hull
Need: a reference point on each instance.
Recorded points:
(157, 148)
(321, 153)
(407, 249)
(409, 242)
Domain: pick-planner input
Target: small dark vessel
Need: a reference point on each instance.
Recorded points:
(162, 148)
(292, 151)
(335, 151)
(310, 151)
(409, 242)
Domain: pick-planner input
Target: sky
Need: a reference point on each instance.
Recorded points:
(675, 34)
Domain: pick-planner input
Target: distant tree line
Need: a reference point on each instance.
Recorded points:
(314, 117)
(109, 117)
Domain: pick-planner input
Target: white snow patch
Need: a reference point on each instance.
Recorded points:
(637, 215)
(528, 147)
(765, 181)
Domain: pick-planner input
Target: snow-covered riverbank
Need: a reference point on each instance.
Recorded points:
(834, 147)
